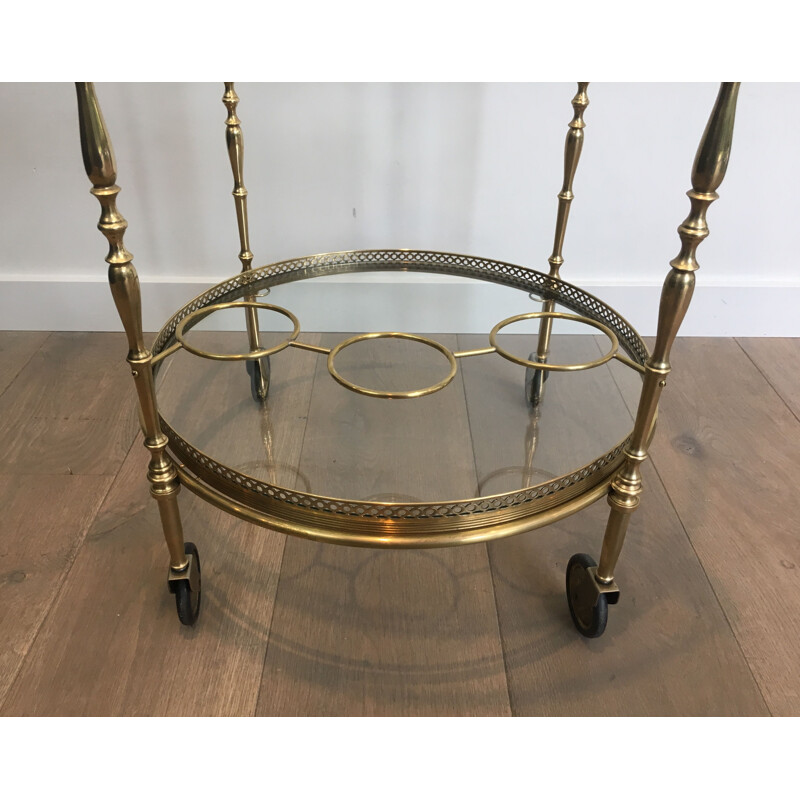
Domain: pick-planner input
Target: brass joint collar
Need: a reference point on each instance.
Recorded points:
(140, 359)
(637, 457)
(171, 487)
(105, 191)
(708, 197)
(624, 502)
(156, 443)
(658, 367)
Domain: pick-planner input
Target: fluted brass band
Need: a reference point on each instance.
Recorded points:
(385, 533)
(551, 315)
(403, 395)
(192, 319)
(394, 524)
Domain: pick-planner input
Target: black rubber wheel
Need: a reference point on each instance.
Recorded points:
(187, 601)
(589, 611)
(259, 378)
(534, 382)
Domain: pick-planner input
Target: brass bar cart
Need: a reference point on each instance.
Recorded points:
(265, 498)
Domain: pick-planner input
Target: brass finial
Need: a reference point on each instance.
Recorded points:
(708, 170)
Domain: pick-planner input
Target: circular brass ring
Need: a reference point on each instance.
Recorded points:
(392, 395)
(555, 367)
(201, 313)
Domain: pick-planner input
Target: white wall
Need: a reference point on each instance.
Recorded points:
(470, 168)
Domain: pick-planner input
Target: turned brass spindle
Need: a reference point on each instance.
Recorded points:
(708, 171)
(572, 154)
(235, 141)
(98, 159)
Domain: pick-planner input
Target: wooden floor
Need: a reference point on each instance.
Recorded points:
(708, 622)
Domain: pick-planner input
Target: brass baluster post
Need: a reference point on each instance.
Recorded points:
(708, 171)
(98, 159)
(235, 141)
(572, 154)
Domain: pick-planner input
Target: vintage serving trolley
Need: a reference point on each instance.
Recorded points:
(261, 496)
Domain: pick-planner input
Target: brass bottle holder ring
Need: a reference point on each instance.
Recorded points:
(392, 395)
(547, 365)
(195, 317)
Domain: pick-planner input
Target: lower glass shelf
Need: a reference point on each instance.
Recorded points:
(472, 460)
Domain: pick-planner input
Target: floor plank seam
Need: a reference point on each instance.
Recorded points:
(488, 554)
(283, 554)
(500, 632)
(71, 559)
(711, 586)
(262, 682)
(25, 364)
(769, 382)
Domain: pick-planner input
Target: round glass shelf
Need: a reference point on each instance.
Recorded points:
(469, 460)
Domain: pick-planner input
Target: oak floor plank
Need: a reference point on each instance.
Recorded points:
(668, 649)
(42, 525)
(71, 409)
(728, 452)
(778, 360)
(16, 349)
(373, 632)
(112, 644)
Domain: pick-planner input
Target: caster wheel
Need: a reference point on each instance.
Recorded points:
(534, 383)
(589, 610)
(259, 378)
(187, 600)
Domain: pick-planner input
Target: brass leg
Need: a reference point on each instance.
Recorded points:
(258, 369)
(536, 377)
(98, 158)
(164, 487)
(572, 154)
(623, 497)
(588, 598)
(545, 328)
(164, 483)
